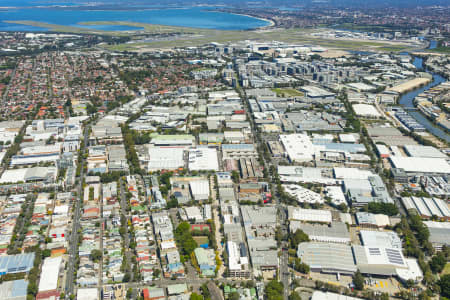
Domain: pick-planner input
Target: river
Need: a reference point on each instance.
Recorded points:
(407, 101)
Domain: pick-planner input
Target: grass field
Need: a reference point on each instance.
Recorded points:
(201, 239)
(285, 92)
(445, 50)
(446, 269)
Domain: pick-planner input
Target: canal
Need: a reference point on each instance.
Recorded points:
(407, 101)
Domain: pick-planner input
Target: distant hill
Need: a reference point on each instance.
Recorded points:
(265, 3)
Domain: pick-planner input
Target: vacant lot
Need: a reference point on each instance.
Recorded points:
(286, 92)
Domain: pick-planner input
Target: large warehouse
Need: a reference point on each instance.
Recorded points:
(336, 232)
(439, 234)
(345, 259)
(327, 257)
(47, 174)
(421, 165)
(50, 267)
(387, 239)
(318, 295)
(203, 159)
(16, 263)
(309, 215)
(427, 207)
(299, 147)
(165, 158)
(423, 151)
(366, 110)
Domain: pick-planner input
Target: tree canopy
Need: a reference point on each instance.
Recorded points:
(298, 237)
(358, 280)
(274, 290)
(389, 209)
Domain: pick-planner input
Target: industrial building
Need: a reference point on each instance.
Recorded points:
(10, 264)
(427, 207)
(345, 259)
(423, 151)
(327, 257)
(363, 191)
(237, 151)
(309, 215)
(199, 189)
(315, 92)
(306, 174)
(413, 165)
(318, 295)
(439, 234)
(302, 194)
(299, 147)
(386, 239)
(336, 232)
(366, 110)
(46, 174)
(203, 159)
(173, 140)
(14, 290)
(51, 268)
(165, 158)
(369, 220)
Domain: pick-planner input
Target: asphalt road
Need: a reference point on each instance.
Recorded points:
(123, 211)
(73, 240)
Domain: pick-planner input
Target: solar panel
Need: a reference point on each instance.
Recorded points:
(394, 256)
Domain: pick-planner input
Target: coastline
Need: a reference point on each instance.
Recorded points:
(271, 23)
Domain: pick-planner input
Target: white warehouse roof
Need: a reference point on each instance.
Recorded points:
(50, 268)
(423, 151)
(298, 147)
(366, 110)
(318, 295)
(165, 158)
(199, 189)
(312, 215)
(421, 164)
(203, 159)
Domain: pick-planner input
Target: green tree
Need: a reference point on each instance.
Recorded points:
(195, 296)
(234, 296)
(298, 237)
(294, 296)
(444, 284)
(389, 209)
(274, 290)
(301, 267)
(184, 238)
(358, 280)
(96, 255)
(438, 262)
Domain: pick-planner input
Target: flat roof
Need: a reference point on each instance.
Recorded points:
(318, 295)
(327, 256)
(424, 151)
(366, 110)
(421, 164)
(50, 267)
(314, 215)
(298, 146)
(203, 159)
(388, 239)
